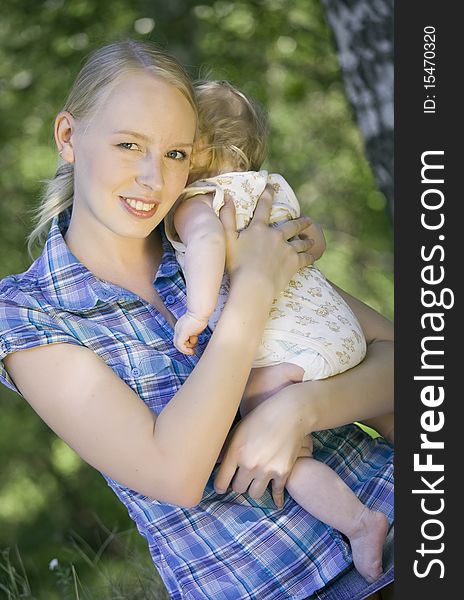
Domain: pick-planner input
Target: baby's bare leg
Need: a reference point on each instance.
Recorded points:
(317, 488)
(263, 382)
(321, 492)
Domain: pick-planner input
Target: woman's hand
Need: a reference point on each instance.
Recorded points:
(263, 447)
(257, 249)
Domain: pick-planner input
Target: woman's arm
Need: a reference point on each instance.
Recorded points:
(265, 444)
(169, 457)
(361, 393)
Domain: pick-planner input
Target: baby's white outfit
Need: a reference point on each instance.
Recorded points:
(309, 324)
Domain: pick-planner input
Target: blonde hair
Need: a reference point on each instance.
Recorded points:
(232, 129)
(103, 68)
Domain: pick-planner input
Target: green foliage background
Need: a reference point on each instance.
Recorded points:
(279, 51)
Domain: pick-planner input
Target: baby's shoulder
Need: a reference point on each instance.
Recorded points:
(197, 193)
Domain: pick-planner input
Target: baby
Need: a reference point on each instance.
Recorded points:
(311, 332)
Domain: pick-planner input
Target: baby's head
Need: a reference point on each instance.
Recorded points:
(232, 131)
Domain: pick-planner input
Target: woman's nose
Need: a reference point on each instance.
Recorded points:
(150, 173)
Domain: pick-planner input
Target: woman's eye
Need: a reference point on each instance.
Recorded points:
(128, 146)
(176, 154)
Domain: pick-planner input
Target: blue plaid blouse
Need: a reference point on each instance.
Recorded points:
(228, 547)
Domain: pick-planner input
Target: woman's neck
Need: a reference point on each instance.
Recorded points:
(113, 257)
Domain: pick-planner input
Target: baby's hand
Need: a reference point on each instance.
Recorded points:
(315, 234)
(186, 332)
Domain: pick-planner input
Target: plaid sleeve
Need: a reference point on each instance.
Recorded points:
(23, 327)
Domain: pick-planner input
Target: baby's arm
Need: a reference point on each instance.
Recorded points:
(203, 235)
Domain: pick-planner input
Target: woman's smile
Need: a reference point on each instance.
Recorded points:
(130, 165)
(140, 207)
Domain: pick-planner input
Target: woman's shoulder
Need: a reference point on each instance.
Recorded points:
(21, 289)
(27, 319)
(26, 314)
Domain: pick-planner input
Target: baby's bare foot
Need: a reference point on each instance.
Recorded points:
(367, 543)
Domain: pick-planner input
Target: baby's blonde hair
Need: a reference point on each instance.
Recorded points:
(232, 129)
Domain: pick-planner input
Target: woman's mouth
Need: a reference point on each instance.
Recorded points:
(139, 207)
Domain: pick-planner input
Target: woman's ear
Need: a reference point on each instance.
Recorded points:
(64, 130)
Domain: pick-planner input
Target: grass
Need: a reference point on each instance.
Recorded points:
(16, 583)
(82, 573)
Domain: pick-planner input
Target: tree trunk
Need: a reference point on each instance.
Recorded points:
(363, 31)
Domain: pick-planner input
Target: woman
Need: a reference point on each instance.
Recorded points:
(106, 292)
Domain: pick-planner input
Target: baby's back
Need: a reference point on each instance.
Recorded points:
(309, 319)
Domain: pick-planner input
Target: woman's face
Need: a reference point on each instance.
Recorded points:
(132, 155)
